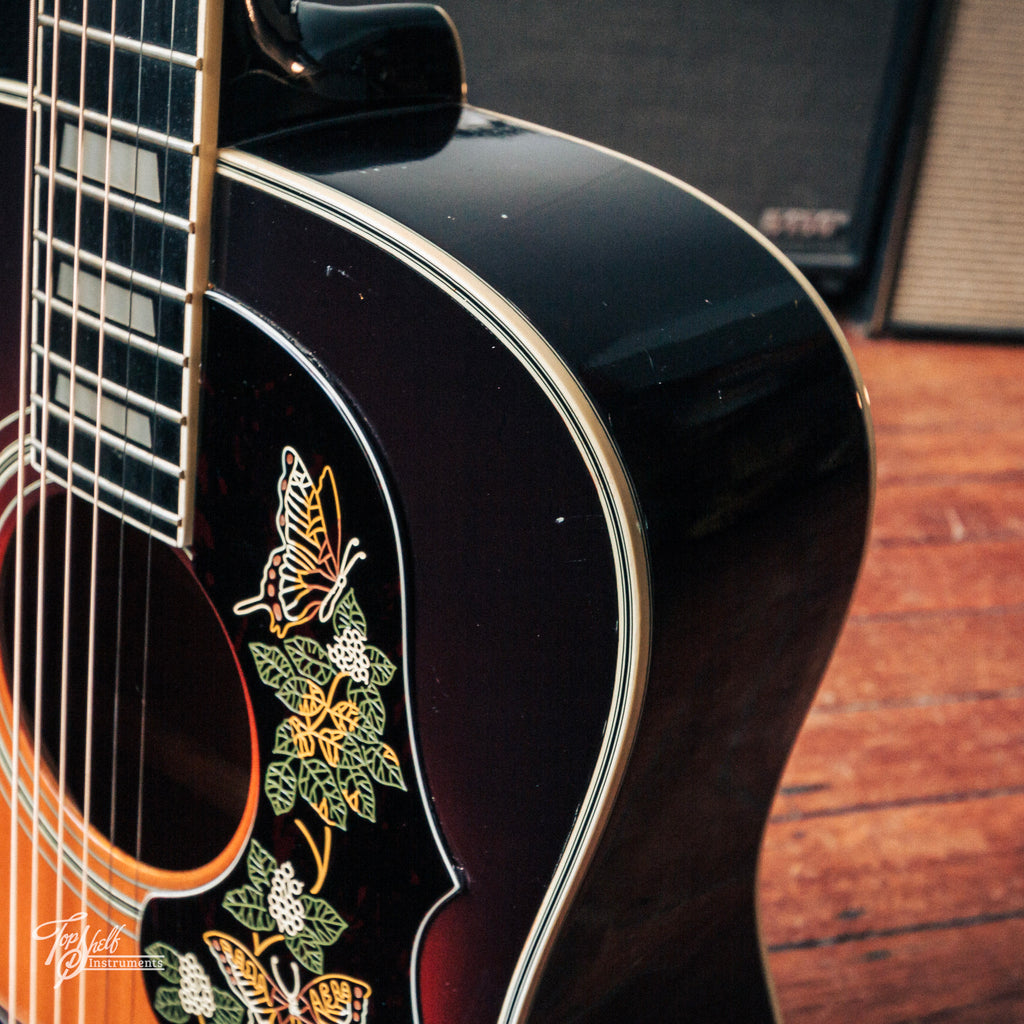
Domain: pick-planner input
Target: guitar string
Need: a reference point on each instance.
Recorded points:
(70, 599)
(142, 746)
(43, 415)
(96, 513)
(121, 558)
(147, 622)
(90, 658)
(90, 655)
(97, 454)
(123, 529)
(31, 270)
(44, 458)
(94, 552)
(17, 652)
(119, 625)
(143, 681)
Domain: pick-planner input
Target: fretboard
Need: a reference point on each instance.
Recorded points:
(123, 117)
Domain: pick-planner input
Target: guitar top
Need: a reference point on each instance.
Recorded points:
(410, 597)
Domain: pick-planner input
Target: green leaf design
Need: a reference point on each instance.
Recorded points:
(372, 713)
(348, 613)
(293, 692)
(359, 782)
(272, 664)
(382, 668)
(309, 953)
(333, 770)
(167, 1003)
(160, 950)
(323, 923)
(310, 659)
(284, 742)
(228, 1009)
(319, 787)
(249, 906)
(279, 785)
(382, 764)
(352, 754)
(259, 864)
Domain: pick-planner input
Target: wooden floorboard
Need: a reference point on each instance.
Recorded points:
(936, 513)
(941, 577)
(966, 974)
(892, 882)
(885, 882)
(965, 655)
(851, 760)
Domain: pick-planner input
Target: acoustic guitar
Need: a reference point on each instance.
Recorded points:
(421, 535)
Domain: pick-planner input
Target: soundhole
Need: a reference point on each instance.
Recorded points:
(169, 757)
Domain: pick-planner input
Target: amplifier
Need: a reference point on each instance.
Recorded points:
(790, 114)
(955, 259)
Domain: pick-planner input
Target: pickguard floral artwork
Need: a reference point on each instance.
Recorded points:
(328, 755)
(329, 751)
(273, 901)
(189, 993)
(257, 996)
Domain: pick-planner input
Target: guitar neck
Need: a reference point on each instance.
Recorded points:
(123, 115)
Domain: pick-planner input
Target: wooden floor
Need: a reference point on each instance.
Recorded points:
(892, 881)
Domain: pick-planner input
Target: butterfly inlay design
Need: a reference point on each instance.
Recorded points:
(327, 999)
(307, 573)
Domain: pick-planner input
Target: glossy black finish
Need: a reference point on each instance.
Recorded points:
(492, 496)
(381, 55)
(509, 556)
(326, 59)
(742, 428)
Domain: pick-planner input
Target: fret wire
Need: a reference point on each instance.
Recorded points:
(119, 333)
(173, 236)
(152, 213)
(125, 128)
(126, 43)
(152, 241)
(112, 440)
(133, 277)
(153, 508)
(139, 401)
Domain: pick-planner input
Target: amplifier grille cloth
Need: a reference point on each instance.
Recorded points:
(962, 264)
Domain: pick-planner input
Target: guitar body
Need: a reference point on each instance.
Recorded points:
(530, 494)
